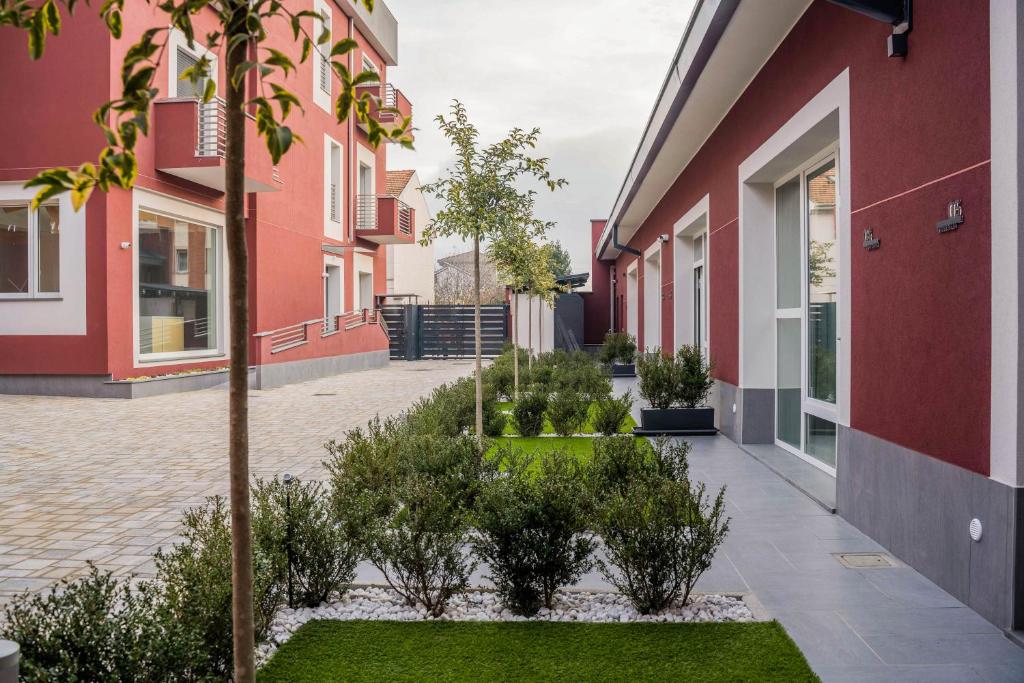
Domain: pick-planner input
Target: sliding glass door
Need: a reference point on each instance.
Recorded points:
(807, 293)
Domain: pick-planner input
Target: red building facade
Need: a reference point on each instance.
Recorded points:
(135, 284)
(795, 208)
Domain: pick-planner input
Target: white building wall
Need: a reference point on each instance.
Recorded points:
(411, 266)
(540, 336)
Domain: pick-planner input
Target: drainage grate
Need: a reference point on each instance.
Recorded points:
(327, 394)
(865, 560)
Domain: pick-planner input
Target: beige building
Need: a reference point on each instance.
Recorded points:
(411, 266)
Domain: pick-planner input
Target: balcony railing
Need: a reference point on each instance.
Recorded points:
(368, 208)
(390, 105)
(212, 138)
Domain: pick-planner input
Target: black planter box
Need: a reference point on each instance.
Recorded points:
(623, 369)
(677, 421)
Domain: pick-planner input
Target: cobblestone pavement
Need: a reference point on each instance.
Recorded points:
(106, 480)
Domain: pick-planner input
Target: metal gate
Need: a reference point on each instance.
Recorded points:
(440, 331)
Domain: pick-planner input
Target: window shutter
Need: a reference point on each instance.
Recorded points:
(186, 88)
(325, 50)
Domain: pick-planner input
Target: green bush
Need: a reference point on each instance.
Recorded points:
(196, 579)
(618, 347)
(324, 555)
(528, 413)
(96, 628)
(659, 536)
(694, 376)
(579, 372)
(610, 413)
(620, 461)
(501, 374)
(363, 468)
(532, 529)
(417, 541)
(658, 379)
(450, 410)
(568, 412)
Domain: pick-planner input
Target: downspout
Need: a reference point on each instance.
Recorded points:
(622, 247)
(353, 200)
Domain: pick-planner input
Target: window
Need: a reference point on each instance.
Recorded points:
(184, 86)
(29, 251)
(334, 184)
(178, 308)
(368, 65)
(324, 50)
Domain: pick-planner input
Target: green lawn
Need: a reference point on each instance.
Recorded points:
(588, 427)
(536, 651)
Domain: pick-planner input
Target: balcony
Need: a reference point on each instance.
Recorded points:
(385, 219)
(389, 97)
(191, 144)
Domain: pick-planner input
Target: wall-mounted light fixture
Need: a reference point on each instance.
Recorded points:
(895, 12)
(663, 237)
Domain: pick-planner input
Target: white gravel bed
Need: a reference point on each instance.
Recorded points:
(384, 604)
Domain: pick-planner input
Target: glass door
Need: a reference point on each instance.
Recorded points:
(807, 295)
(700, 337)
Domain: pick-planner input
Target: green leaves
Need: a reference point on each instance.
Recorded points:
(124, 119)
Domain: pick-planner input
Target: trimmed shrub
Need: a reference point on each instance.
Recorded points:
(418, 542)
(623, 460)
(324, 556)
(695, 381)
(579, 372)
(658, 379)
(532, 529)
(501, 374)
(96, 628)
(528, 413)
(568, 412)
(618, 347)
(450, 410)
(196, 579)
(659, 537)
(610, 413)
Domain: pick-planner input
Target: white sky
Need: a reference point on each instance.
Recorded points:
(586, 72)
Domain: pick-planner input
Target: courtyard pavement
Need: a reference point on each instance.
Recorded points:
(106, 480)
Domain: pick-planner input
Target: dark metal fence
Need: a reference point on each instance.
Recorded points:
(440, 331)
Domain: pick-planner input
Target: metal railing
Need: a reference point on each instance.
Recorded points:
(366, 213)
(285, 338)
(334, 202)
(212, 139)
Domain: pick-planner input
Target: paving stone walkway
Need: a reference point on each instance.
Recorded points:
(106, 480)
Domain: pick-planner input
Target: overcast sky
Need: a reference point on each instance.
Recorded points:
(586, 72)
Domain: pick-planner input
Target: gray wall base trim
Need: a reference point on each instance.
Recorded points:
(920, 509)
(91, 386)
(754, 419)
(278, 374)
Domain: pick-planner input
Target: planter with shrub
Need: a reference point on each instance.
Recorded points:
(676, 388)
(619, 353)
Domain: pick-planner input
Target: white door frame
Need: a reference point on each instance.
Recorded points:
(693, 223)
(652, 296)
(632, 299)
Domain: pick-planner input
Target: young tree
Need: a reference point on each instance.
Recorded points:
(482, 198)
(256, 73)
(515, 255)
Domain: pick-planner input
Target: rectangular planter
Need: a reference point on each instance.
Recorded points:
(677, 421)
(623, 369)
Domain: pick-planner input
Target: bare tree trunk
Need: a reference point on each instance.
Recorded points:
(540, 325)
(479, 347)
(515, 345)
(238, 395)
(529, 330)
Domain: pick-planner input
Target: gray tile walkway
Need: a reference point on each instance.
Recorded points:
(875, 625)
(106, 479)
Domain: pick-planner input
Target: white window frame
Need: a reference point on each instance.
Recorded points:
(334, 228)
(369, 65)
(321, 59)
(176, 41)
(808, 406)
(694, 223)
(153, 202)
(33, 293)
(652, 292)
(178, 251)
(633, 299)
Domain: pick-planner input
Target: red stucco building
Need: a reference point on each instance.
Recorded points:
(135, 284)
(840, 229)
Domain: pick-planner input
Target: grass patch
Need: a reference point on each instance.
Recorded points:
(588, 426)
(535, 651)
